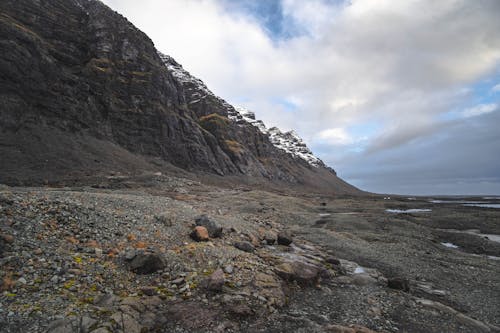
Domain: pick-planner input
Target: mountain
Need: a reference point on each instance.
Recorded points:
(84, 94)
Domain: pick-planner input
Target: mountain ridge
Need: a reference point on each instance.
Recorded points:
(94, 96)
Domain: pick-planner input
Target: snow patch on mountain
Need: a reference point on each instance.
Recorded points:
(289, 142)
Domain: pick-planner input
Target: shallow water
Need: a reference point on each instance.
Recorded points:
(359, 270)
(400, 211)
(450, 245)
(458, 202)
(483, 205)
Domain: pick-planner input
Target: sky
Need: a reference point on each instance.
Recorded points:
(398, 97)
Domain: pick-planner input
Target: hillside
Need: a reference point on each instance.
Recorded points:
(86, 94)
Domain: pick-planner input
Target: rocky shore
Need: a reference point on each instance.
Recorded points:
(179, 256)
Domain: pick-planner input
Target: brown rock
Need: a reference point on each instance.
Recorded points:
(7, 238)
(302, 273)
(241, 310)
(345, 329)
(200, 234)
(270, 237)
(362, 329)
(216, 281)
(149, 290)
(339, 329)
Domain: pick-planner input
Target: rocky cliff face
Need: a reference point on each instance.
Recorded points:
(83, 92)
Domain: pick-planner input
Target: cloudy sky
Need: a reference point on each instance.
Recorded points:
(397, 96)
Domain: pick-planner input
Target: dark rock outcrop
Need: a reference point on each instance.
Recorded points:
(84, 93)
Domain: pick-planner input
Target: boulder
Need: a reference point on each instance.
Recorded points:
(285, 238)
(214, 230)
(300, 272)
(147, 263)
(200, 234)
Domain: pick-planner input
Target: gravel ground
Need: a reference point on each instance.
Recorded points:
(71, 261)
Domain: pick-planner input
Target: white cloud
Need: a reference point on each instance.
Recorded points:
(496, 88)
(479, 110)
(335, 136)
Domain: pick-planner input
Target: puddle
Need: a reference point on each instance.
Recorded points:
(324, 214)
(407, 211)
(450, 245)
(359, 270)
(485, 205)
(493, 258)
(491, 237)
(458, 202)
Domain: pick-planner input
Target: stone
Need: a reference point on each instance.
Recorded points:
(60, 326)
(126, 322)
(244, 246)
(241, 310)
(149, 290)
(200, 234)
(214, 230)
(216, 280)
(302, 273)
(270, 238)
(285, 238)
(147, 263)
(346, 329)
(363, 279)
(9, 239)
(229, 269)
(178, 281)
(339, 329)
(130, 253)
(399, 283)
(22, 280)
(100, 330)
(70, 325)
(98, 252)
